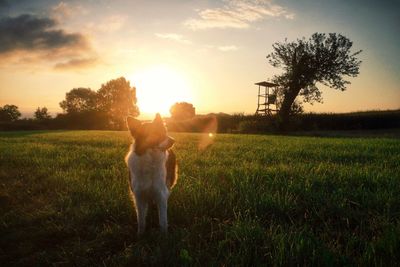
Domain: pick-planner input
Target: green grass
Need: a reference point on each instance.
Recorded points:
(246, 200)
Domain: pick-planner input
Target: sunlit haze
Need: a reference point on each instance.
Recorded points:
(208, 53)
(159, 87)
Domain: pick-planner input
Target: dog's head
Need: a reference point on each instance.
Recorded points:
(149, 135)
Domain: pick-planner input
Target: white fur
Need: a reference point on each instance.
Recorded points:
(148, 182)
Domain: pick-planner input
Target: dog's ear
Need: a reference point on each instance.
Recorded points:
(133, 126)
(159, 124)
(158, 119)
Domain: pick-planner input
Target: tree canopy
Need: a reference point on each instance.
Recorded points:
(108, 106)
(118, 99)
(79, 100)
(322, 59)
(9, 113)
(182, 111)
(42, 114)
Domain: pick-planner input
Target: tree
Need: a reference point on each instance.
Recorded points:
(182, 111)
(79, 100)
(106, 108)
(9, 113)
(296, 108)
(118, 99)
(42, 114)
(323, 59)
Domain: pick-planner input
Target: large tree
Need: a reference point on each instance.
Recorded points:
(118, 99)
(79, 100)
(322, 59)
(9, 113)
(105, 108)
(182, 111)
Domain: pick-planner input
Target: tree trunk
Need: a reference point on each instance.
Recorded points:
(286, 106)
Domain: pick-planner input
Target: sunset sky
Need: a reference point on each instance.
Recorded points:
(209, 53)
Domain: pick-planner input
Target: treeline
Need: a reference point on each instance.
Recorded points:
(240, 123)
(83, 109)
(221, 122)
(107, 108)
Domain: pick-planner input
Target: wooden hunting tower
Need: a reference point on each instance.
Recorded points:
(266, 98)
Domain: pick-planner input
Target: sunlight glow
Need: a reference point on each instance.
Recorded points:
(159, 87)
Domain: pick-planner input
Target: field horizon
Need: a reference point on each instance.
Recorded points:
(244, 200)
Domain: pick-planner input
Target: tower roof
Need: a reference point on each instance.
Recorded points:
(266, 84)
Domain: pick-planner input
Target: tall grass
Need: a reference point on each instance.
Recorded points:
(246, 200)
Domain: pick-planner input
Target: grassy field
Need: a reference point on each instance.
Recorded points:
(246, 200)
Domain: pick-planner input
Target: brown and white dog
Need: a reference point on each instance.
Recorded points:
(152, 168)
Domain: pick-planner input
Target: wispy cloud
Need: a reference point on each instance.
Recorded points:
(112, 23)
(237, 14)
(108, 24)
(76, 63)
(65, 10)
(227, 48)
(62, 10)
(174, 37)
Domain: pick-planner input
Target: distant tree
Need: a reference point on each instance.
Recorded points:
(323, 59)
(42, 114)
(9, 113)
(118, 99)
(182, 111)
(79, 100)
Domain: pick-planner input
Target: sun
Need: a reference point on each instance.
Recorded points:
(158, 88)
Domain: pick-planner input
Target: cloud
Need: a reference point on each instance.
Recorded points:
(237, 14)
(27, 32)
(76, 63)
(62, 9)
(227, 48)
(65, 10)
(4, 3)
(9, 3)
(38, 40)
(174, 37)
(108, 24)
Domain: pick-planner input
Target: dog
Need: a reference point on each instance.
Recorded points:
(152, 169)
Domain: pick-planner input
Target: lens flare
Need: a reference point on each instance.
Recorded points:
(208, 133)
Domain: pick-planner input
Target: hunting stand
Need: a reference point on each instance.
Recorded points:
(266, 103)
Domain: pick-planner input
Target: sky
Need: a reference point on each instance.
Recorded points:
(208, 53)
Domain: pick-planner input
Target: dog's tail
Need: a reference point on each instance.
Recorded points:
(172, 169)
